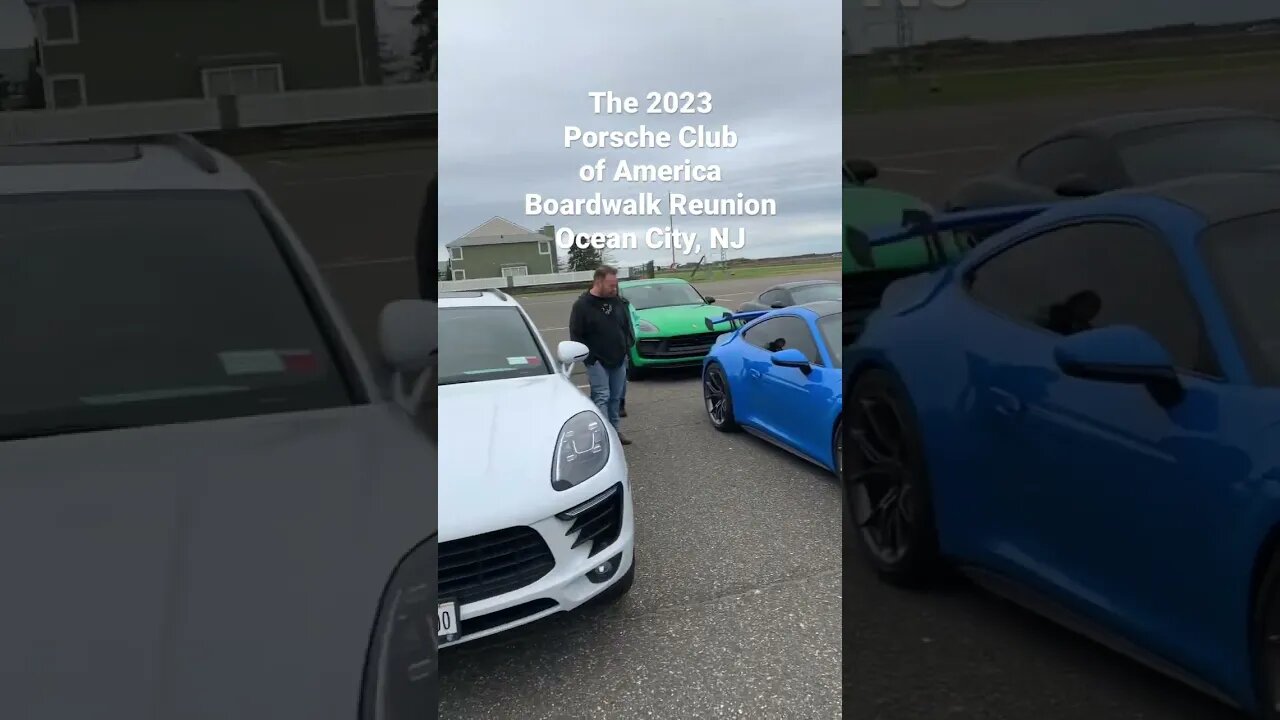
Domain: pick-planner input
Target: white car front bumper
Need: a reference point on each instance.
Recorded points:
(564, 587)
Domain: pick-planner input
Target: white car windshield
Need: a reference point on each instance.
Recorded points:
(487, 343)
(123, 309)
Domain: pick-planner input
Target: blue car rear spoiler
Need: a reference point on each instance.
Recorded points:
(920, 224)
(735, 319)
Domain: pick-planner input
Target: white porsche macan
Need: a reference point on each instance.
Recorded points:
(535, 505)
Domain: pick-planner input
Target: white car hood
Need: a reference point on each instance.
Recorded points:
(225, 569)
(498, 439)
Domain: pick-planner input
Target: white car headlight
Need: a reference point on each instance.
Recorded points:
(400, 674)
(582, 450)
(646, 326)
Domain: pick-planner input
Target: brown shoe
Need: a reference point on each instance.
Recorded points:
(623, 438)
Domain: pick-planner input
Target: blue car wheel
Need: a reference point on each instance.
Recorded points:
(888, 484)
(717, 399)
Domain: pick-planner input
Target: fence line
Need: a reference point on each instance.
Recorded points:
(519, 281)
(227, 113)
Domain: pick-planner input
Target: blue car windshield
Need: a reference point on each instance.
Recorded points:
(1243, 257)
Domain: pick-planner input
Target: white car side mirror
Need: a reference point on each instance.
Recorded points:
(571, 352)
(407, 334)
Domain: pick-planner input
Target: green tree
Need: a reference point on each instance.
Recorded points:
(34, 90)
(426, 44)
(579, 258)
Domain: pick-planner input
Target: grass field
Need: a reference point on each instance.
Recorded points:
(754, 271)
(871, 94)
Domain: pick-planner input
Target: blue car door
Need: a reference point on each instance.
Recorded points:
(793, 402)
(1107, 500)
(755, 350)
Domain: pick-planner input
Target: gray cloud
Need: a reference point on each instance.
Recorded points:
(514, 74)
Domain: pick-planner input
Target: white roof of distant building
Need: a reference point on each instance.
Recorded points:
(498, 231)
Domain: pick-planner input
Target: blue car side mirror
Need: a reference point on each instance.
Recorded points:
(1121, 354)
(793, 358)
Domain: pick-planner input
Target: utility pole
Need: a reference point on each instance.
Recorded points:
(671, 227)
(905, 38)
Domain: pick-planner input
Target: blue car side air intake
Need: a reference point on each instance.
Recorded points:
(402, 654)
(582, 450)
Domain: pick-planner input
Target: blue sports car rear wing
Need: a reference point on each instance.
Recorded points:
(920, 224)
(734, 319)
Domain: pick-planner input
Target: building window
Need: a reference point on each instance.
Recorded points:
(58, 23)
(544, 247)
(66, 92)
(455, 253)
(243, 80)
(337, 12)
(459, 274)
(515, 270)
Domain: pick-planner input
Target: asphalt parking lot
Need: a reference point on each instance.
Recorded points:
(962, 653)
(736, 607)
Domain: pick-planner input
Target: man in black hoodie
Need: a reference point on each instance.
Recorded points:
(600, 320)
(425, 249)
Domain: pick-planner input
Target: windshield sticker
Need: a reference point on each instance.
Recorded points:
(517, 361)
(300, 361)
(534, 360)
(251, 362)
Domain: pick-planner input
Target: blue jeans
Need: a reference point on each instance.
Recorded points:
(607, 386)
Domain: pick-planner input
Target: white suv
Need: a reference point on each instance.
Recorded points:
(208, 505)
(535, 506)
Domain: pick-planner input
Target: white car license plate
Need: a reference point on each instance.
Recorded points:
(447, 619)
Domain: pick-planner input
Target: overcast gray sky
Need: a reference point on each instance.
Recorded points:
(1018, 19)
(514, 73)
(16, 28)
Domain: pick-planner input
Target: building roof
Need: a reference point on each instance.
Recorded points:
(498, 231)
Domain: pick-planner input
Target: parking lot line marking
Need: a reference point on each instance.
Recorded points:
(354, 262)
(940, 151)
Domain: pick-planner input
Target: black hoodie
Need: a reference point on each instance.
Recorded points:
(425, 248)
(604, 326)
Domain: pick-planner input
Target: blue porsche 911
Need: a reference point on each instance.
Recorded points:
(1083, 413)
(777, 375)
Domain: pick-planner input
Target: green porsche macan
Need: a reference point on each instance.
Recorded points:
(868, 271)
(867, 208)
(669, 317)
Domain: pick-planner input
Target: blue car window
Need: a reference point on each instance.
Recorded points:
(780, 333)
(1094, 275)
(1242, 257)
